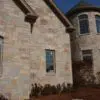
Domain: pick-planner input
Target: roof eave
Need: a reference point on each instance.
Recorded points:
(60, 15)
(82, 9)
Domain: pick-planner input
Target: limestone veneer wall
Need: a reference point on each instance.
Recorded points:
(24, 53)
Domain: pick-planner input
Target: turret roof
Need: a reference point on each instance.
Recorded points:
(82, 6)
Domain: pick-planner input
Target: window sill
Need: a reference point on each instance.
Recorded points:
(50, 73)
(98, 33)
(84, 34)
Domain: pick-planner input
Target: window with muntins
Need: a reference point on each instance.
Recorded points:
(84, 24)
(50, 60)
(97, 17)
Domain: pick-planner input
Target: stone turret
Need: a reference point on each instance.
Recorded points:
(85, 40)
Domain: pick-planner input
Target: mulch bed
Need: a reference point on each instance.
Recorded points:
(87, 93)
(84, 93)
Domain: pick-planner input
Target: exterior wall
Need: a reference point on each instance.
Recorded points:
(24, 53)
(89, 41)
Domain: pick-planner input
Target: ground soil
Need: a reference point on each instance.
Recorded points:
(84, 93)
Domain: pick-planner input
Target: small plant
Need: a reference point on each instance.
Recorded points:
(2, 97)
(54, 89)
(64, 88)
(47, 89)
(83, 74)
(36, 90)
(58, 88)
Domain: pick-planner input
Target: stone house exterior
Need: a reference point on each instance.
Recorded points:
(35, 40)
(85, 39)
(34, 46)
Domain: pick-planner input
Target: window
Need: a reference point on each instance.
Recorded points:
(87, 56)
(84, 24)
(97, 23)
(1, 54)
(50, 60)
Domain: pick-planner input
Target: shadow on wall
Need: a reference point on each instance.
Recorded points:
(39, 90)
(83, 73)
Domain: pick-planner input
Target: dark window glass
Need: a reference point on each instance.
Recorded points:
(84, 24)
(98, 23)
(50, 60)
(87, 56)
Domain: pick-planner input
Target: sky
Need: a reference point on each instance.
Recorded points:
(65, 5)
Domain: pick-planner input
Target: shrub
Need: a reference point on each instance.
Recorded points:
(58, 88)
(54, 90)
(2, 97)
(36, 90)
(48, 89)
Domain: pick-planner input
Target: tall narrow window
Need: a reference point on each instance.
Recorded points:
(1, 54)
(84, 24)
(97, 23)
(50, 60)
(87, 56)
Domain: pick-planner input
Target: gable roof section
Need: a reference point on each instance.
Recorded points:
(31, 16)
(81, 7)
(60, 15)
